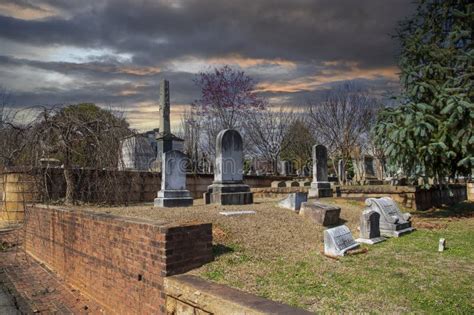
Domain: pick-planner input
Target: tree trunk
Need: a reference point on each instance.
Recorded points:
(69, 177)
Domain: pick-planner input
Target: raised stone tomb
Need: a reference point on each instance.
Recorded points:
(320, 213)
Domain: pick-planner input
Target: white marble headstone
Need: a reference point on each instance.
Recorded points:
(338, 240)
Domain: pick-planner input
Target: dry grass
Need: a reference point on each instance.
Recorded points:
(276, 254)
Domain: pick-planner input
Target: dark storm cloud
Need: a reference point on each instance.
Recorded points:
(318, 42)
(300, 30)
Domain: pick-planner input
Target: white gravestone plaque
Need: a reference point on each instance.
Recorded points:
(338, 240)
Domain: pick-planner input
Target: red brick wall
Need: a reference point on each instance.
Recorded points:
(120, 262)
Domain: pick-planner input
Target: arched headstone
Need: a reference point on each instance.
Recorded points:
(228, 187)
(369, 228)
(229, 157)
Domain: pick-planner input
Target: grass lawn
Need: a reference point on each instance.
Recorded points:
(276, 254)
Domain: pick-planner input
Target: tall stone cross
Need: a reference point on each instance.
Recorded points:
(165, 107)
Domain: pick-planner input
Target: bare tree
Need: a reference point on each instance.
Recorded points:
(80, 135)
(297, 144)
(265, 132)
(342, 120)
(191, 128)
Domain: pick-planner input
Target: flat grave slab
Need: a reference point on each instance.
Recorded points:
(236, 213)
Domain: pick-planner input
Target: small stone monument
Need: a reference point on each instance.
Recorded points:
(286, 168)
(370, 177)
(341, 168)
(441, 245)
(292, 183)
(173, 191)
(320, 213)
(228, 187)
(393, 222)
(278, 183)
(369, 228)
(338, 240)
(320, 186)
(293, 201)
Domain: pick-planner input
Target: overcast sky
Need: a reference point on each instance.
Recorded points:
(115, 52)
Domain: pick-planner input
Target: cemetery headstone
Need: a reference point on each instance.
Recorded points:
(338, 240)
(236, 213)
(320, 186)
(286, 168)
(304, 183)
(293, 201)
(228, 187)
(341, 171)
(393, 222)
(441, 245)
(292, 183)
(320, 213)
(173, 191)
(369, 228)
(278, 183)
(370, 176)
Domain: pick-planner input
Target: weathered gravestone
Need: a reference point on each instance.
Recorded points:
(286, 168)
(320, 186)
(338, 240)
(293, 201)
(228, 187)
(304, 183)
(236, 213)
(173, 191)
(370, 177)
(393, 222)
(278, 184)
(320, 213)
(292, 183)
(369, 228)
(341, 168)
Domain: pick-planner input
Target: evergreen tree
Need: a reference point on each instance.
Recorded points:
(431, 134)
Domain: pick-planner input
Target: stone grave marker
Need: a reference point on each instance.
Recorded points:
(342, 171)
(393, 222)
(292, 183)
(173, 191)
(369, 228)
(236, 213)
(320, 186)
(228, 187)
(293, 201)
(338, 240)
(278, 183)
(320, 213)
